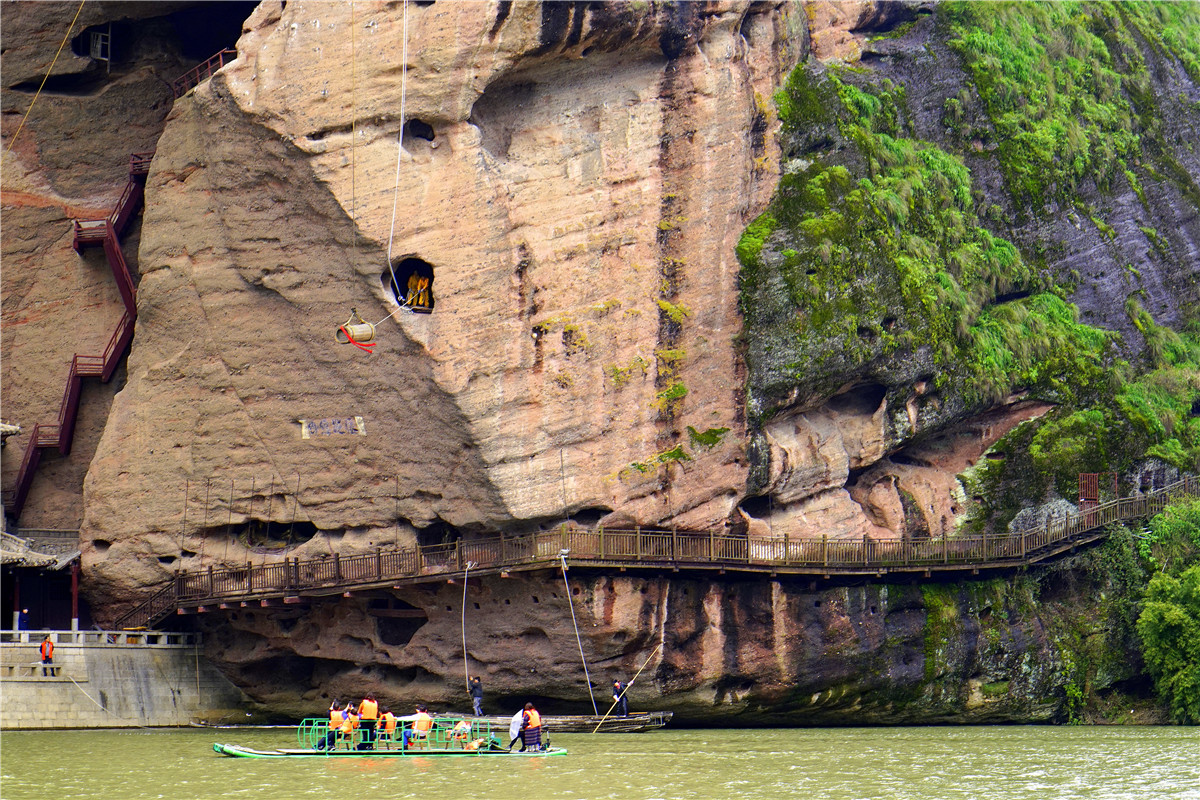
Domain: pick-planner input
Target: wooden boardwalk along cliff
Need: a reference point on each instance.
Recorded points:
(290, 581)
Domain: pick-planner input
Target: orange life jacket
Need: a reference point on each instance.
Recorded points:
(462, 730)
(533, 719)
(349, 723)
(368, 709)
(47, 649)
(423, 722)
(389, 722)
(335, 718)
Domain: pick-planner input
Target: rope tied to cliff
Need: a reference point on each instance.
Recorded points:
(36, 94)
(399, 148)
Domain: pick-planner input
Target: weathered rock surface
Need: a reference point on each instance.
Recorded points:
(722, 652)
(575, 178)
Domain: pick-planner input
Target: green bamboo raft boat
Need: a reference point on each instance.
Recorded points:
(447, 737)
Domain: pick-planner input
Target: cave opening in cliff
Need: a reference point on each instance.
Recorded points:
(257, 534)
(190, 35)
(415, 275)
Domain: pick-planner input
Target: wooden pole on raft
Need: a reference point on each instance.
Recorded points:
(635, 677)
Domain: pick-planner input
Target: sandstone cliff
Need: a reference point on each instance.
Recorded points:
(574, 179)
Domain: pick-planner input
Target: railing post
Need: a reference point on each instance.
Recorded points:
(945, 549)
(824, 549)
(563, 531)
(786, 549)
(600, 528)
(1022, 545)
(378, 562)
(637, 534)
(249, 578)
(458, 553)
(866, 549)
(674, 545)
(210, 581)
(503, 549)
(712, 550)
(337, 567)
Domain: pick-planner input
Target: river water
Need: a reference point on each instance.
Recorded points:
(981, 763)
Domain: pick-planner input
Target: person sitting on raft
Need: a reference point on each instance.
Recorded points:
(388, 720)
(335, 723)
(422, 723)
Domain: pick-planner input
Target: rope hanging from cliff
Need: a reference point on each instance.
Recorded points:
(66, 38)
(562, 555)
(399, 149)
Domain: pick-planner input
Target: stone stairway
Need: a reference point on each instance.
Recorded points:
(105, 233)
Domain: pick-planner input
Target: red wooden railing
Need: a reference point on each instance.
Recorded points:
(105, 233)
(199, 74)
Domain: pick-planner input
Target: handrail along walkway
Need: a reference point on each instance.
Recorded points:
(286, 580)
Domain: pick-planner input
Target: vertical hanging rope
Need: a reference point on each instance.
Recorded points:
(563, 557)
(399, 147)
(66, 38)
(353, 135)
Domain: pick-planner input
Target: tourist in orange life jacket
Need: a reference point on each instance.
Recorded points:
(421, 725)
(531, 727)
(335, 722)
(349, 723)
(47, 651)
(389, 725)
(368, 713)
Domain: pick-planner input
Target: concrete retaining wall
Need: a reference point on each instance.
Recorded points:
(110, 679)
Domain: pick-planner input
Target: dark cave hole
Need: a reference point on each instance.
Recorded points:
(758, 506)
(411, 283)
(1196, 407)
(906, 460)
(101, 545)
(418, 129)
(1009, 297)
(853, 475)
(270, 534)
(196, 33)
(166, 559)
(590, 517)
(397, 626)
(864, 399)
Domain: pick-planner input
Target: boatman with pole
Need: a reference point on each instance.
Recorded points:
(619, 699)
(476, 688)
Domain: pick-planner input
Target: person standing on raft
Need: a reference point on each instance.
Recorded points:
(531, 727)
(475, 687)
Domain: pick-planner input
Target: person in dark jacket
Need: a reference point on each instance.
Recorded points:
(619, 698)
(475, 687)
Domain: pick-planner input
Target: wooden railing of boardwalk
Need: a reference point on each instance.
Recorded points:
(291, 580)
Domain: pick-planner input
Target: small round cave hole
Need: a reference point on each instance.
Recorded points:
(410, 281)
(418, 129)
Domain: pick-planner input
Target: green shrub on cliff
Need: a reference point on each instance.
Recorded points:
(1170, 629)
(872, 248)
(1067, 91)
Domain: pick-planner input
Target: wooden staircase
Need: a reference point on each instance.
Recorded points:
(104, 233)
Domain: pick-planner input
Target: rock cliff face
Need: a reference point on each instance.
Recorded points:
(573, 180)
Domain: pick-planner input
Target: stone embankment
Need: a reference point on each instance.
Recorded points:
(111, 679)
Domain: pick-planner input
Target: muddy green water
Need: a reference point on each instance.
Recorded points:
(814, 764)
